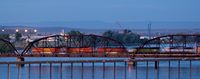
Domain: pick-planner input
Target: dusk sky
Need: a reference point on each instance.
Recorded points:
(34, 11)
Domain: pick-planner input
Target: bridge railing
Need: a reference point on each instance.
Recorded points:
(102, 69)
(79, 55)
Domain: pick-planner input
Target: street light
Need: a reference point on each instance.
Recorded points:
(17, 30)
(2, 30)
(35, 30)
(26, 30)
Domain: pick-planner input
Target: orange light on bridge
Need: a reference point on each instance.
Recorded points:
(79, 50)
(109, 49)
(45, 50)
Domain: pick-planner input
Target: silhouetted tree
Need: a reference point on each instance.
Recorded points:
(126, 36)
(4, 36)
(4, 47)
(18, 36)
(74, 32)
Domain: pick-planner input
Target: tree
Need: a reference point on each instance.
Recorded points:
(18, 36)
(4, 36)
(4, 47)
(127, 37)
(108, 33)
(74, 32)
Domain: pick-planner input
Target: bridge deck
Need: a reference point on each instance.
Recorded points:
(107, 55)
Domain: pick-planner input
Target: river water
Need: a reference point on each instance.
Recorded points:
(142, 73)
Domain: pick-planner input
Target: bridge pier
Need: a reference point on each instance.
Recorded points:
(20, 59)
(156, 64)
(132, 63)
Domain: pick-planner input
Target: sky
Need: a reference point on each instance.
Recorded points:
(37, 11)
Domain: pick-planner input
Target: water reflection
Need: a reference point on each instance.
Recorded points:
(75, 72)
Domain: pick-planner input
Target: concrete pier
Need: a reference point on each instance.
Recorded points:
(20, 59)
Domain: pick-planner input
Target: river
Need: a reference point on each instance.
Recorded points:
(163, 71)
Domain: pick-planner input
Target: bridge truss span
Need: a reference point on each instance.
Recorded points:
(172, 44)
(74, 44)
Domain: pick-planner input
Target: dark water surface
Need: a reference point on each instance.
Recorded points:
(142, 71)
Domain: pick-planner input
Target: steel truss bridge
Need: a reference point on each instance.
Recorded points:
(176, 46)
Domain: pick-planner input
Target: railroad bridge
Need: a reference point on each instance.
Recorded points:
(180, 48)
(175, 46)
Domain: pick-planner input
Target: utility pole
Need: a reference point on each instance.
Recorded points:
(149, 30)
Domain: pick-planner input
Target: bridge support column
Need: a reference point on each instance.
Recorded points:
(132, 63)
(156, 64)
(20, 59)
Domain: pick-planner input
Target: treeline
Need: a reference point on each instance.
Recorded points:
(4, 36)
(127, 37)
